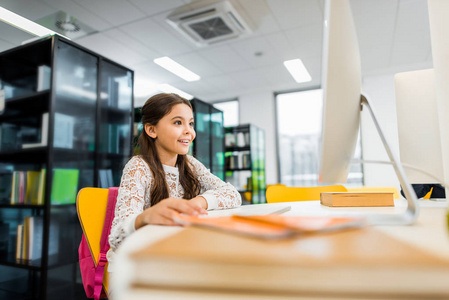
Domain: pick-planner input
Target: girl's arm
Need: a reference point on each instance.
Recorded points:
(218, 194)
(131, 211)
(136, 179)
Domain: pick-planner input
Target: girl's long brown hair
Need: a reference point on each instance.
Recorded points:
(155, 109)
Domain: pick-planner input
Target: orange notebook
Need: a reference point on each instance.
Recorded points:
(271, 226)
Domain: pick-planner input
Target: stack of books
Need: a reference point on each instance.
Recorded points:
(342, 264)
(28, 187)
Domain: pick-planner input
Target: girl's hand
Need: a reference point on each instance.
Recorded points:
(200, 202)
(165, 211)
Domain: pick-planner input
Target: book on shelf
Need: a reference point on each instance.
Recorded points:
(241, 141)
(357, 199)
(19, 241)
(105, 178)
(2, 100)
(43, 78)
(36, 230)
(65, 186)
(25, 238)
(271, 226)
(32, 188)
(27, 187)
(332, 263)
(44, 134)
(41, 188)
(230, 140)
(30, 238)
(63, 132)
(18, 187)
(246, 160)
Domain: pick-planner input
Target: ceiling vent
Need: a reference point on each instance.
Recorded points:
(210, 24)
(65, 24)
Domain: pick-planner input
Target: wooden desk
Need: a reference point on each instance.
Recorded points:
(428, 235)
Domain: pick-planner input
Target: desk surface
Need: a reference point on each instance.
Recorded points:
(429, 233)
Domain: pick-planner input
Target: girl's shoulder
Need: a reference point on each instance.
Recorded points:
(195, 163)
(192, 160)
(136, 162)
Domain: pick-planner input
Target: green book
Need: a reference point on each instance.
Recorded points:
(65, 186)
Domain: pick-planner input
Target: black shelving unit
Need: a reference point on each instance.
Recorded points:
(245, 161)
(73, 109)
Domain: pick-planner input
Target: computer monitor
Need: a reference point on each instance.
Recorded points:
(341, 83)
(343, 101)
(418, 126)
(439, 32)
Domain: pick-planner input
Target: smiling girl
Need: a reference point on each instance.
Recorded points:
(163, 181)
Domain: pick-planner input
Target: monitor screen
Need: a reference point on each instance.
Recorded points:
(343, 101)
(341, 82)
(418, 126)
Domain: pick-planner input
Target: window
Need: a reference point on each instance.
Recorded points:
(230, 111)
(299, 117)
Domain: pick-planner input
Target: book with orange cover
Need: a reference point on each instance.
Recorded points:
(306, 224)
(357, 199)
(237, 225)
(271, 226)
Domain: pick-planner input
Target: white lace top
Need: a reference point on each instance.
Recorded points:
(134, 195)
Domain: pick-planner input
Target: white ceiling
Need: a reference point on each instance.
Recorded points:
(393, 36)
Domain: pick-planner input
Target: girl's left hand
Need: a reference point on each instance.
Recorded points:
(200, 202)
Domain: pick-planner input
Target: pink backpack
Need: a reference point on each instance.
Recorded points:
(93, 275)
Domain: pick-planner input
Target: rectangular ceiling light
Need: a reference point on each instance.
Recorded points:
(177, 69)
(297, 70)
(23, 23)
(166, 88)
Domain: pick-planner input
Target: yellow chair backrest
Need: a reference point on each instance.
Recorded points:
(277, 194)
(427, 196)
(390, 189)
(91, 206)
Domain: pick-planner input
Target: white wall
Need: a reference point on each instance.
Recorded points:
(258, 108)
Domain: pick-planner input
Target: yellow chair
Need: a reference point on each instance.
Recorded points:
(91, 206)
(377, 189)
(427, 196)
(277, 193)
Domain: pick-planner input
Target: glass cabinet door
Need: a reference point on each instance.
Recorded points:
(115, 119)
(73, 160)
(217, 141)
(74, 121)
(202, 128)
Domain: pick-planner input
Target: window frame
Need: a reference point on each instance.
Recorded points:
(276, 118)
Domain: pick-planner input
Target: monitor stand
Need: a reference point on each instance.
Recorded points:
(411, 213)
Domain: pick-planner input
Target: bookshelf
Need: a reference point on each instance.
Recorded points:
(245, 161)
(68, 110)
(208, 146)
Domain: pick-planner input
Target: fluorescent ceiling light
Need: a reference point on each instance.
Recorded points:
(23, 23)
(172, 66)
(297, 70)
(166, 88)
